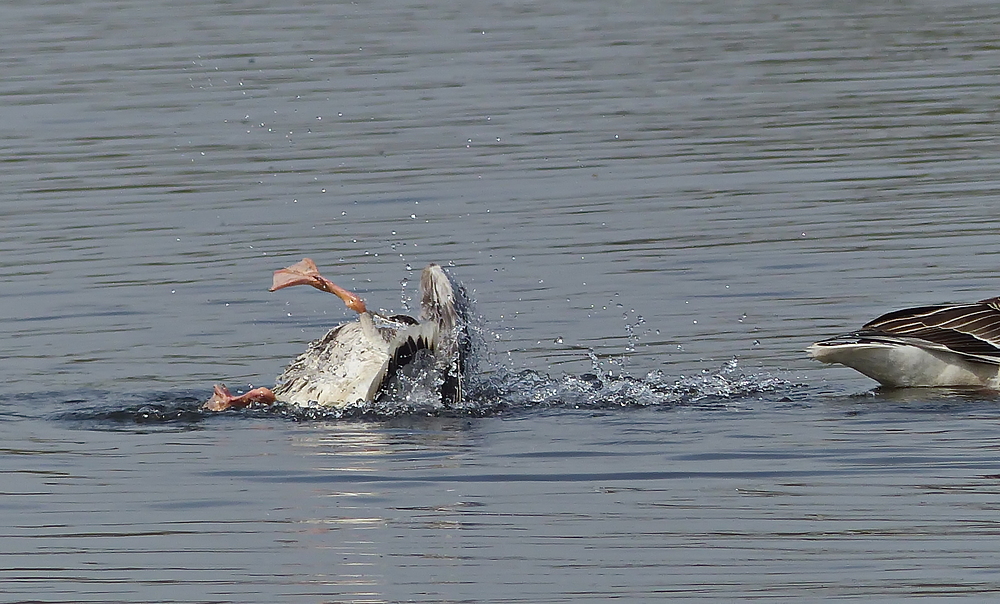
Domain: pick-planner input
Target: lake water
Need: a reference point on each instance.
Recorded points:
(656, 205)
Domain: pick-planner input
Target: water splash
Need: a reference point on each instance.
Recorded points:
(490, 388)
(415, 394)
(404, 297)
(606, 389)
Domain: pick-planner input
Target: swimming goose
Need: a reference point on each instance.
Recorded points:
(947, 345)
(355, 361)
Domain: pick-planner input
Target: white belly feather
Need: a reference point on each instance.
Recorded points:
(903, 365)
(343, 367)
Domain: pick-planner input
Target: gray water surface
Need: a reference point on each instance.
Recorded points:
(656, 205)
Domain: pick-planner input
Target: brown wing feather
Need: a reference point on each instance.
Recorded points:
(964, 328)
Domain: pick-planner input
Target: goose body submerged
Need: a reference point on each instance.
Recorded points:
(355, 361)
(945, 345)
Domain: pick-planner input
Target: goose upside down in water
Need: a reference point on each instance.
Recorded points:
(354, 362)
(945, 345)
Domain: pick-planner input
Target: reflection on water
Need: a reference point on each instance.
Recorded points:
(680, 499)
(657, 207)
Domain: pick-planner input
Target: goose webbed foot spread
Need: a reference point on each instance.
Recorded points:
(304, 272)
(355, 361)
(223, 399)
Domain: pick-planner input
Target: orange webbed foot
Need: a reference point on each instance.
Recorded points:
(223, 399)
(304, 272)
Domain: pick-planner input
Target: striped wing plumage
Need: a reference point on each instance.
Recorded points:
(972, 330)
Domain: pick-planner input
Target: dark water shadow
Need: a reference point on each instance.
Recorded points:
(173, 411)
